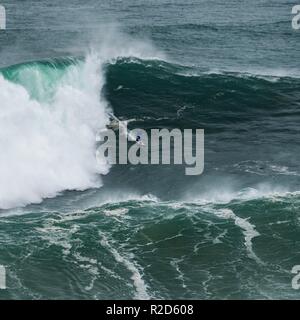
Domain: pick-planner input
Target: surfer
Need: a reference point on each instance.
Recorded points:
(116, 124)
(138, 139)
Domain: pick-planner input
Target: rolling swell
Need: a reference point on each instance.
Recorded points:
(146, 248)
(191, 98)
(250, 121)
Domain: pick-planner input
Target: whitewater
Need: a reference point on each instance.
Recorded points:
(51, 112)
(48, 147)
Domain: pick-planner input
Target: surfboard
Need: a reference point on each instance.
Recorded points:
(123, 128)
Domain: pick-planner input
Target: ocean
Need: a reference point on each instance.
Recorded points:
(74, 228)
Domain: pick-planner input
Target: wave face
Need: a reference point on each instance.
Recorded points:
(250, 123)
(50, 113)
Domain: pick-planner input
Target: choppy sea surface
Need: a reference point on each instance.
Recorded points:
(72, 227)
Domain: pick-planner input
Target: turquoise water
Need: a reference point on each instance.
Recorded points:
(73, 228)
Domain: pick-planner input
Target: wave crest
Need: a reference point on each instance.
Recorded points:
(48, 121)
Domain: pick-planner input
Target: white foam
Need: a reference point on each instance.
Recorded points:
(226, 194)
(264, 168)
(49, 147)
(58, 236)
(260, 73)
(119, 196)
(249, 230)
(119, 212)
(138, 282)
(175, 264)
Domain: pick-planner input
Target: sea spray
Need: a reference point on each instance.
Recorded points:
(48, 146)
